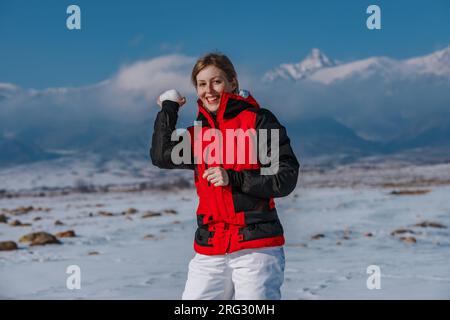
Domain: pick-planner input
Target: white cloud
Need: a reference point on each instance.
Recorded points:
(132, 89)
(55, 117)
(150, 77)
(8, 86)
(379, 106)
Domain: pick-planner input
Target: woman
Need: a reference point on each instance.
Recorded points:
(239, 240)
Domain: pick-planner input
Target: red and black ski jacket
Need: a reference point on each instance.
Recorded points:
(242, 214)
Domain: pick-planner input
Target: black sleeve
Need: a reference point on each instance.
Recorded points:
(278, 184)
(162, 145)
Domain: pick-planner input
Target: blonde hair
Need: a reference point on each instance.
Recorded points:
(218, 60)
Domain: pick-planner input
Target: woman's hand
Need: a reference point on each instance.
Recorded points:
(171, 95)
(217, 176)
(180, 101)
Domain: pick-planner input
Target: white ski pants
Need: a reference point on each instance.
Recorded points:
(250, 274)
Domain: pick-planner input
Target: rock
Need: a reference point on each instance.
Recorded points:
(176, 222)
(317, 236)
(368, 234)
(3, 218)
(37, 218)
(21, 210)
(65, 234)
(409, 192)
(150, 214)
(401, 231)
(93, 253)
(338, 243)
(8, 245)
(17, 223)
(170, 211)
(105, 213)
(409, 240)
(430, 224)
(39, 238)
(149, 236)
(24, 210)
(298, 245)
(130, 211)
(58, 223)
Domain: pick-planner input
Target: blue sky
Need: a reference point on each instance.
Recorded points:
(37, 50)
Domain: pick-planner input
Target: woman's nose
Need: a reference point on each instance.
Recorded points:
(209, 88)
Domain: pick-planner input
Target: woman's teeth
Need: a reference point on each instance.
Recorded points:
(212, 100)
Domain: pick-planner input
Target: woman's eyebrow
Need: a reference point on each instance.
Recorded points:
(212, 78)
(205, 81)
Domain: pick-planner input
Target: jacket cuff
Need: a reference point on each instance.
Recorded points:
(171, 106)
(235, 178)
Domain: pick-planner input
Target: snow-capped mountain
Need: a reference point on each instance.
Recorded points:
(319, 68)
(373, 105)
(437, 63)
(366, 68)
(316, 60)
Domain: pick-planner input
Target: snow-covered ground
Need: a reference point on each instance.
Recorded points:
(130, 257)
(87, 170)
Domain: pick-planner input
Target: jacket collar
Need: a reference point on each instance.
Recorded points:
(230, 105)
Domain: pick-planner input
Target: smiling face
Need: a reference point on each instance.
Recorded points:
(211, 83)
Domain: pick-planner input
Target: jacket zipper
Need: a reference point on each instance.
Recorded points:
(216, 126)
(206, 168)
